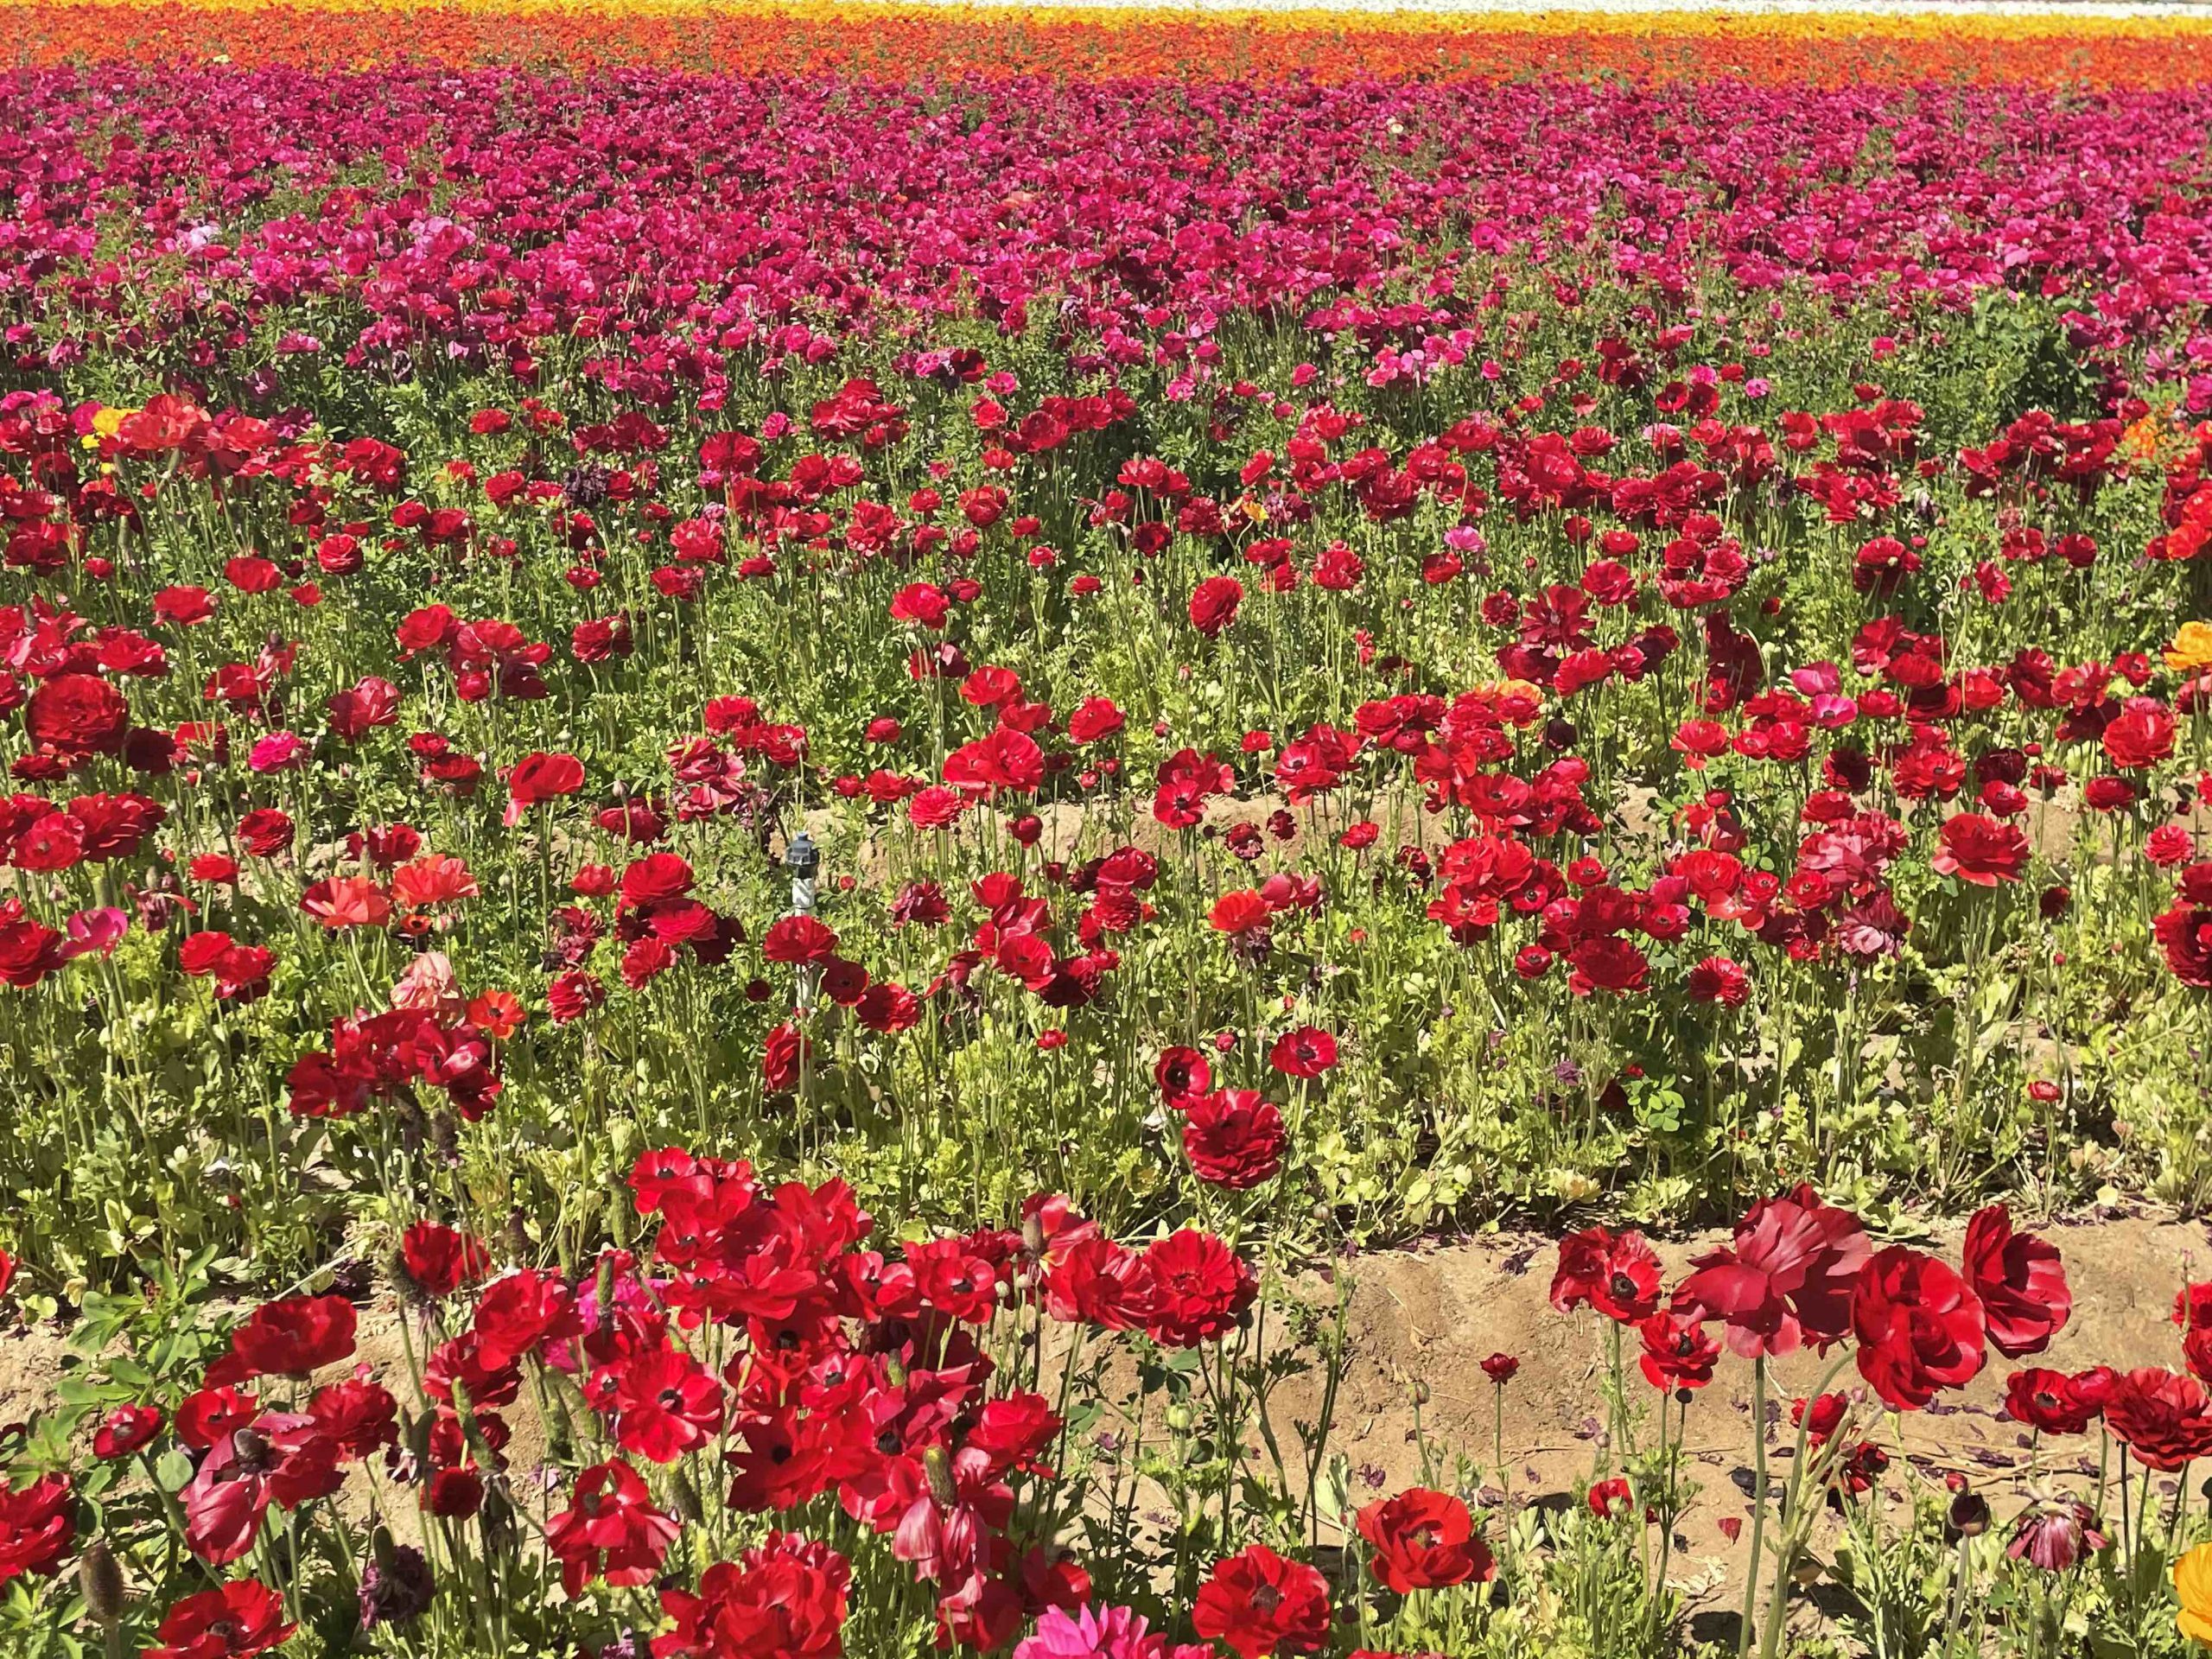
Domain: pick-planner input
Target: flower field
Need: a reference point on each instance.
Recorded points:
(777, 775)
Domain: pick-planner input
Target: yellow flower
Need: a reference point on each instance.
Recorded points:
(2193, 1587)
(2192, 651)
(107, 423)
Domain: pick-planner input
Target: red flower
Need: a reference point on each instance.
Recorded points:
(38, 1523)
(2047, 1401)
(125, 1429)
(1260, 1604)
(1213, 604)
(795, 939)
(1717, 979)
(1183, 1076)
(665, 1404)
(1305, 1053)
(1241, 913)
(291, 1337)
(1677, 1352)
(1618, 1275)
(1611, 1499)
(1094, 720)
(1786, 1279)
(519, 1312)
(1501, 1369)
(540, 776)
(609, 1530)
(1098, 1281)
(441, 1258)
(76, 715)
(2163, 1416)
(782, 1052)
(786, 1600)
(1200, 1288)
(207, 1415)
(2020, 1281)
(2142, 735)
(1234, 1139)
(244, 1616)
(1919, 1327)
(1424, 1540)
(1005, 759)
(1981, 850)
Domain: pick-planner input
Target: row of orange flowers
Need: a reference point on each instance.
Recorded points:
(897, 42)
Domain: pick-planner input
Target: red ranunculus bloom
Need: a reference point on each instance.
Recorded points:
(1213, 604)
(1234, 1139)
(666, 1403)
(2047, 1402)
(1424, 1540)
(1305, 1053)
(1200, 1288)
(125, 1429)
(38, 1523)
(1183, 1075)
(785, 1600)
(2020, 1281)
(291, 1337)
(244, 1616)
(541, 777)
(517, 1313)
(2142, 735)
(77, 715)
(1260, 1605)
(1919, 1326)
(2164, 1417)
(1618, 1275)
(1677, 1351)
(609, 1530)
(1978, 848)
(1785, 1279)
(441, 1258)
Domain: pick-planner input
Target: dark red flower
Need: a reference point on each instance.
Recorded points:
(441, 1258)
(125, 1429)
(519, 1312)
(38, 1524)
(1305, 1053)
(1677, 1351)
(1785, 1279)
(1424, 1540)
(785, 1601)
(1183, 1075)
(2020, 1281)
(76, 715)
(1980, 849)
(291, 1337)
(2047, 1402)
(1919, 1326)
(2163, 1416)
(1234, 1139)
(1213, 604)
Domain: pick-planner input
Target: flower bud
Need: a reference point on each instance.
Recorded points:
(1969, 1514)
(937, 1466)
(101, 1579)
